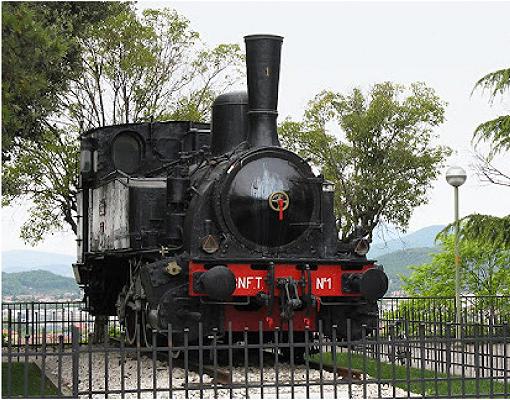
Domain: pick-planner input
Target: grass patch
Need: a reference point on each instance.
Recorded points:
(428, 382)
(18, 381)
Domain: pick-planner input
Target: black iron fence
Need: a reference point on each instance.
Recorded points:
(49, 321)
(221, 366)
(474, 309)
(58, 318)
(55, 356)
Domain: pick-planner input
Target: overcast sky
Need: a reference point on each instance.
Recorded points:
(343, 45)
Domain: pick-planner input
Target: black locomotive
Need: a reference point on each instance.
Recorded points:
(182, 222)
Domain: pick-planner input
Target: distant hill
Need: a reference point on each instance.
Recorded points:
(29, 260)
(421, 238)
(398, 262)
(395, 254)
(37, 283)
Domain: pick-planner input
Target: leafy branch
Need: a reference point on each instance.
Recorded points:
(383, 161)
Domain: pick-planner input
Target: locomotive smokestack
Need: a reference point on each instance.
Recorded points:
(263, 73)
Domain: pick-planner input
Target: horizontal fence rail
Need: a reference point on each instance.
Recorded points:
(53, 350)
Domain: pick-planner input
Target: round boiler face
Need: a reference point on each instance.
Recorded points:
(270, 202)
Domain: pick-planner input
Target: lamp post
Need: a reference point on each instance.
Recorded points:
(456, 176)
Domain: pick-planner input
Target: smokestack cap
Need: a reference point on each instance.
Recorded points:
(263, 36)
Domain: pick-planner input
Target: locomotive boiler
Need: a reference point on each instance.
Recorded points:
(183, 222)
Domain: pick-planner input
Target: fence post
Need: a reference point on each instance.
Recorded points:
(422, 357)
(32, 325)
(18, 337)
(9, 326)
(75, 338)
(505, 357)
(9, 355)
(449, 357)
(25, 366)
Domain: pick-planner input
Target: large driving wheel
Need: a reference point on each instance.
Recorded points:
(149, 339)
(132, 324)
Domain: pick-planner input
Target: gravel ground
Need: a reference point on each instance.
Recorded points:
(97, 378)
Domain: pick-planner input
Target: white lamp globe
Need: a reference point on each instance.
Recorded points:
(456, 176)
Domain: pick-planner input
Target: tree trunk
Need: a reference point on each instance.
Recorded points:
(68, 217)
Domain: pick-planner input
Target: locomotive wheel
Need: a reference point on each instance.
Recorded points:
(148, 338)
(132, 325)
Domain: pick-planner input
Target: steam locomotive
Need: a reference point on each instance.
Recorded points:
(183, 222)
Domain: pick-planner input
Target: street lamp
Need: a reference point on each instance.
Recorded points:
(456, 176)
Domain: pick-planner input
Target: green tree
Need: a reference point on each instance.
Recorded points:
(484, 270)
(45, 173)
(377, 149)
(487, 229)
(149, 65)
(484, 273)
(495, 131)
(40, 55)
(134, 66)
